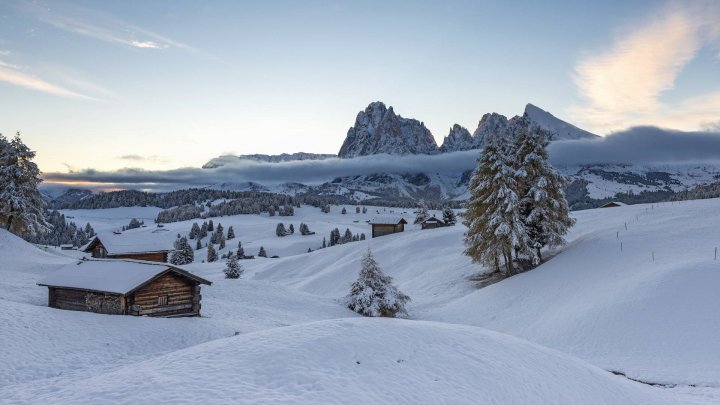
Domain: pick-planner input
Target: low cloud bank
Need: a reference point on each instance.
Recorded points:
(641, 145)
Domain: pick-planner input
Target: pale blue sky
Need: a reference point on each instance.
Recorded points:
(165, 84)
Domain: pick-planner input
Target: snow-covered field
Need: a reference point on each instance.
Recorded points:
(281, 335)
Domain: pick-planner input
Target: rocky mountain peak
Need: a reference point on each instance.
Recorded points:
(378, 129)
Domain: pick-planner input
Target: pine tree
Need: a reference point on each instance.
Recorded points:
(210, 226)
(422, 213)
(357, 209)
(373, 293)
(449, 216)
(211, 253)
(21, 206)
(271, 211)
(240, 251)
(543, 207)
(230, 233)
(344, 211)
(183, 253)
(334, 237)
(221, 242)
(280, 230)
(262, 252)
(362, 236)
(495, 232)
(324, 245)
(347, 237)
(232, 267)
(291, 229)
(194, 231)
(198, 245)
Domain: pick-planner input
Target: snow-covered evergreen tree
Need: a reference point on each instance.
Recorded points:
(280, 230)
(291, 229)
(233, 269)
(221, 242)
(344, 211)
(211, 253)
(262, 252)
(230, 233)
(543, 207)
(324, 245)
(373, 293)
(183, 253)
(240, 251)
(422, 213)
(21, 206)
(347, 237)
(194, 231)
(496, 233)
(449, 216)
(210, 227)
(335, 237)
(198, 245)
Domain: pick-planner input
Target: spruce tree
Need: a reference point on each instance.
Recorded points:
(422, 213)
(211, 253)
(496, 233)
(194, 231)
(21, 206)
(280, 230)
(543, 207)
(240, 251)
(230, 233)
(347, 237)
(198, 245)
(373, 293)
(449, 216)
(221, 242)
(183, 253)
(291, 229)
(232, 267)
(210, 227)
(262, 252)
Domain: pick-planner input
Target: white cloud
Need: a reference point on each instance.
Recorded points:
(145, 44)
(622, 86)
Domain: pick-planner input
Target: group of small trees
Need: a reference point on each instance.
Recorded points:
(347, 237)
(134, 223)
(62, 232)
(517, 205)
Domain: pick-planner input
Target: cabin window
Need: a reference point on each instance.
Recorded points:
(163, 300)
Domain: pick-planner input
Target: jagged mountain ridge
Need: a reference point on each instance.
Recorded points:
(378, 129)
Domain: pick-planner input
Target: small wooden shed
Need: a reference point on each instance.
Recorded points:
(432, 223)
(387, 225)
(613, 204)
(153, 246)
(125, 287)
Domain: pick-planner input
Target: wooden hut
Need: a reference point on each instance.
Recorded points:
(387, 225)
(613, 204)
(432, 223)
(152, 246)
(125, 287)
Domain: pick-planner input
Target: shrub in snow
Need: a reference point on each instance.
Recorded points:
(373, 293)
(232, 267)
(280, 230)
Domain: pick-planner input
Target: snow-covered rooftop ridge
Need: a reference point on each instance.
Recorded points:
(141, 240)
(388, 219)
(110, 275)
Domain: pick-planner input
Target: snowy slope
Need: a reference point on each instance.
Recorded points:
(354, 361)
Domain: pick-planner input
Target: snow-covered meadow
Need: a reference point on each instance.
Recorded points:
(280, 334)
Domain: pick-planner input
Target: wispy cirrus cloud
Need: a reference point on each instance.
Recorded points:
(12, 74)
(622, 86)
(97, 25)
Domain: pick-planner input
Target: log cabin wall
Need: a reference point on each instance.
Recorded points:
(386, 229)
(160, 257)
(80, 300)
(168, 295)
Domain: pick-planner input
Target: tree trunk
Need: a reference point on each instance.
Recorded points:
(11, 217)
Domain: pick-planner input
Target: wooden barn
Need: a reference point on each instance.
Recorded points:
(613, 204)
(432, 223)
(125, 287)
(154, 246)
(387, 225)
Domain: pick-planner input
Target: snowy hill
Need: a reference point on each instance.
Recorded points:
(355, 361)
(648, 311)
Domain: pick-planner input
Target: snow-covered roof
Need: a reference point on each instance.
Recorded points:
(388, 219)
(111, 275)
(141, 240)
(434, 219)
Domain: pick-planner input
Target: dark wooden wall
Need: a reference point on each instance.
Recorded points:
(80, 300)
(183, 298)
(386, 229)
(150, 257)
